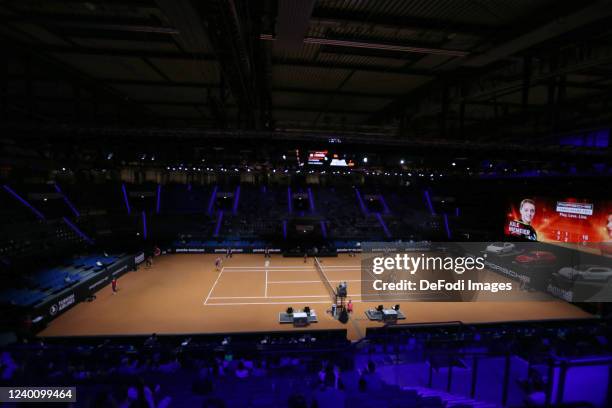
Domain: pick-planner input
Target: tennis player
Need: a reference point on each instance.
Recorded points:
(218, 263)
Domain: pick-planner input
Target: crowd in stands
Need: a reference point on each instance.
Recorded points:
(289, 369)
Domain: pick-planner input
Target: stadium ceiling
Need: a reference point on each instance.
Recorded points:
(455, 70)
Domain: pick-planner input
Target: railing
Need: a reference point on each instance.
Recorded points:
(557, 368)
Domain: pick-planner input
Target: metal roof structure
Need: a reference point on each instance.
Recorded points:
(456, 70)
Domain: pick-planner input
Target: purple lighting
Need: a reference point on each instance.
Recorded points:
(125, 199)
(211, 203)
(360, 200)
(289, 204)
(383, 225)
(144, 225)
(323, 229)
(158, 198)
(456, 211)
(77, 230)
(428, 198)
(311, 200)
(448, 231)
(24, 202)
(66, 200)
(598, 139)
(236, 198)
(384, 203)
(285, 229)
(218, 227)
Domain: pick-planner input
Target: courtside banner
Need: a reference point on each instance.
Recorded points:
(483, 271)
(51, 308)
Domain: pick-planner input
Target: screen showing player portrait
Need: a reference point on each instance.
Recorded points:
(566, 220)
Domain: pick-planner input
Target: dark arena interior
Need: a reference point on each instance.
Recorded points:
(306, 203)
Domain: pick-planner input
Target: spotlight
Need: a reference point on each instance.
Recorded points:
(284, 157)
(402, 161)
(365, 159)
(453, 164)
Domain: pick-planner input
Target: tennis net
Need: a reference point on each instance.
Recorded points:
(324, 279)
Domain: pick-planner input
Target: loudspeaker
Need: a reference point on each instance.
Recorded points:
(344, 317)
(289, 310)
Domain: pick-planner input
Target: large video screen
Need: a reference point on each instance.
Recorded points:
(317, 157)
(326, 158)
(581, 222)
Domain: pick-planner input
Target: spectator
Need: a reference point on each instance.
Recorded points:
(297, 401)
(103, 400)
(213, 403)
(241, 371)
(151, 341)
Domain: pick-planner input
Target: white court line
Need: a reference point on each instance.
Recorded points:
(270, 267)
(266, 289)
(270, 303)
(213, 286)
(269, 297)
(296, 281)
(291, 268)
(340, 266)
(227, 270)
(299, 303)
(275, 270)
(319, 281)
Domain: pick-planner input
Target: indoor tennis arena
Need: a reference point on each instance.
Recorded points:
(184, 294)
(306, 203)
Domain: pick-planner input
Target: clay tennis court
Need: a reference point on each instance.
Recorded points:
(183, 293)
